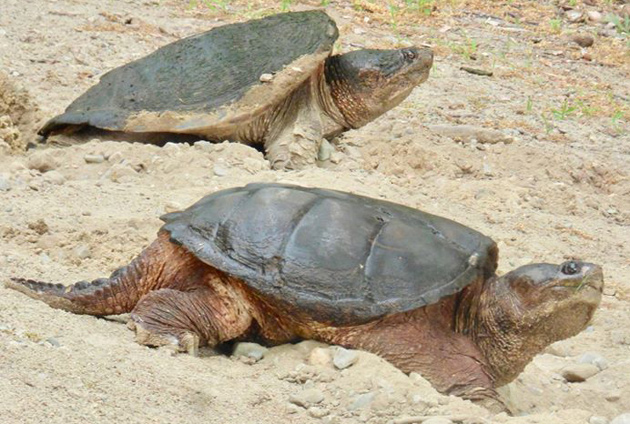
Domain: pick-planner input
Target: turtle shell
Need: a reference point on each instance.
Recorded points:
(207, 83)
(338, 257)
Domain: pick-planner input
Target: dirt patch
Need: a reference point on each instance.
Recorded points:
(560, 189)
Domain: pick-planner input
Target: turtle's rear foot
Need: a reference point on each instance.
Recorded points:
(206, 315)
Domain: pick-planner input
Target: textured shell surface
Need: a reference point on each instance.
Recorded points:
(335, 256)
(203, 73)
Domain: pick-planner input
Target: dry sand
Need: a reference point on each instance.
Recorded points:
(559, 190)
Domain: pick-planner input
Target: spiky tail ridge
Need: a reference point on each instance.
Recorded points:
(104, 296)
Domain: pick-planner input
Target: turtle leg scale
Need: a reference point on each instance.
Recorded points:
(298, 140)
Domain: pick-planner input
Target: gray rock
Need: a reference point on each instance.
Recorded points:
(345, 358)
(595, 359)
(621, 419)
(250, 350)
(307, 398)
(5, 182)
(82, 251)
(596, 419)
(577, 373)
(361, 401)
(54, 177)
(94, 158)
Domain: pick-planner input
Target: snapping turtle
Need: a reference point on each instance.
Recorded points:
(278, 263)
(209, 86)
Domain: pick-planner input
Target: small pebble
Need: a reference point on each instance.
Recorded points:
(172, 207)
(361, 401)
(172, 148)
(94, 158)
(220, 170)
(577, 373)
(594, 16)
(250, 350)
(583, 40)
(121, 171)
(613, 397)
(82, 251)
(320, 357)
(325, 150)
(42, 161)
(345, 358)
(595, 359)
(307, 398)
(54, 177)
(621, 419)
(266, 77)
(53, 342)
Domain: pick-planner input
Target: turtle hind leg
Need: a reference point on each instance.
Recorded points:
(296, 141)
(205, 315)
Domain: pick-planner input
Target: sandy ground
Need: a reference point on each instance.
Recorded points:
(557, 187)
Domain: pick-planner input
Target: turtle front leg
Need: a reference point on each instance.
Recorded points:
(190, 319)
(421, 341)
(295, 141)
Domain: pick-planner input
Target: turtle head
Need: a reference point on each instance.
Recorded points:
(365, 84)
(545, 293)
(533, 306)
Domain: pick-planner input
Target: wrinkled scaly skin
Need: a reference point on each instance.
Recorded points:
(467, 344)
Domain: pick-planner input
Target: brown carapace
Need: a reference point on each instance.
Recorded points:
(279, 263)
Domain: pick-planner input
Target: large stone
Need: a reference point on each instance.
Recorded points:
(577, 373)
(621, 419)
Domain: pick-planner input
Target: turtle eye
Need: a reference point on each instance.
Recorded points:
(409, 55)
(570, 268)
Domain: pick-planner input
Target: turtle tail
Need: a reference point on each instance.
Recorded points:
(104, 296)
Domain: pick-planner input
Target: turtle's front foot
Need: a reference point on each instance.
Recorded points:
(181, 341)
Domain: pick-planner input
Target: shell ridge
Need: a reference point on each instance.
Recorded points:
(294, 225)
(365, 284)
